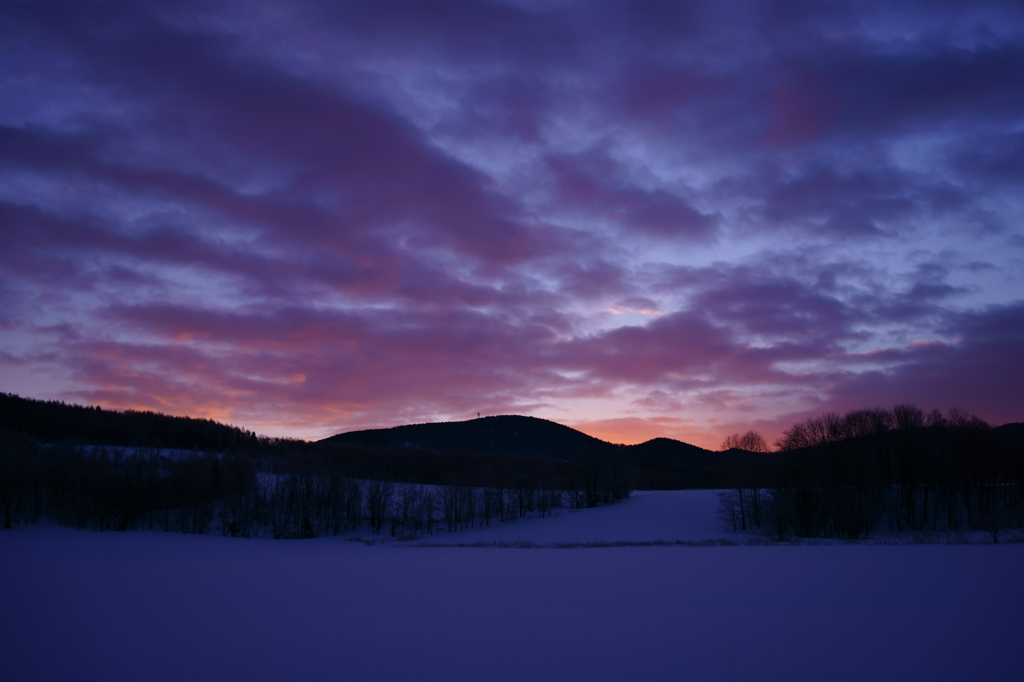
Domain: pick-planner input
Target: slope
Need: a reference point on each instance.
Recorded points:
(500, 435)
(660, 461)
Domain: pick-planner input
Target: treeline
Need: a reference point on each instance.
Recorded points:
(601, 476)
(660, 463)
(456, 452)
(846, 476)
(52, 421)
(289, 489)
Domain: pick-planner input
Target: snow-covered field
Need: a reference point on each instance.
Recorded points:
(646, 516)
(80, 605)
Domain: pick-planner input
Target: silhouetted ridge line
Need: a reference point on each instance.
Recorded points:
(53, 421)
(504, 435)
(531, 436)
(471, 452)
(659, 463)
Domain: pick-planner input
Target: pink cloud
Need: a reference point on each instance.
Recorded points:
(357, 215)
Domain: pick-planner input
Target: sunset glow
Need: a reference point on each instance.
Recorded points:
(638, 219)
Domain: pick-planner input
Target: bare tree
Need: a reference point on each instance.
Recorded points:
(743, 506)
(450, 501)
(408, 503)
(730, 509)
(379, 496)
(907, 416)
(751, 441)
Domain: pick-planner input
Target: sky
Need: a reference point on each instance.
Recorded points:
(636, 218)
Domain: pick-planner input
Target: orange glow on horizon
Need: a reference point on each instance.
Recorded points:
(633, 430)
(313, 426)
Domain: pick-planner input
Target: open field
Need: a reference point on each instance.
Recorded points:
(646, 516)
(129, 606)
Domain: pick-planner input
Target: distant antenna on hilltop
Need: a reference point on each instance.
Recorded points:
(477, 415)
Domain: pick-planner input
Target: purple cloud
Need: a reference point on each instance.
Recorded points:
(645, 218)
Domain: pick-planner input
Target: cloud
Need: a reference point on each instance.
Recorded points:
(632, 430)
(308, 216)
(594, 185)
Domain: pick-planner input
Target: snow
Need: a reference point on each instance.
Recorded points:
(159, 606)
(647, 515)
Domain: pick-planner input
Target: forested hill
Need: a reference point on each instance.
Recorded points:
(523, 442)
(518, 435)
(51, 421)
(658, 463)
(502, 435)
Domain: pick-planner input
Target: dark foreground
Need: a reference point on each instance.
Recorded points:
(131, 606)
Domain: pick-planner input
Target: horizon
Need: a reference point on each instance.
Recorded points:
(637, 220)
(771, 442)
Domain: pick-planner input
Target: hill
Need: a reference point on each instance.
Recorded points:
(492, 448)
(51, 421)
(660, 462)
(501, 435)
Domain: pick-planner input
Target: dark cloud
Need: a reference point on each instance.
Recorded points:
(312, 215)
(979, 369)
(890, 92)
(993, 159)
(594, 185)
